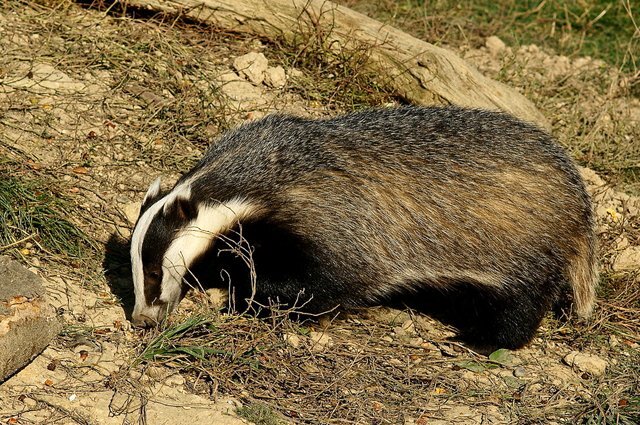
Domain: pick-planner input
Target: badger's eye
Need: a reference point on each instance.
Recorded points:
(154, 274)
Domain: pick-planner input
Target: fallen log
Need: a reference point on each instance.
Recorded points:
(418, 71)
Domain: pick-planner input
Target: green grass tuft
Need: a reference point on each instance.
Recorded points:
(259, 414)
(603, 29)
(30, 212)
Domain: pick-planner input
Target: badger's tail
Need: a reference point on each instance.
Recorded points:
(583, 275)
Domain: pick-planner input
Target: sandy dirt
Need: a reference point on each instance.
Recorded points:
(102, 105)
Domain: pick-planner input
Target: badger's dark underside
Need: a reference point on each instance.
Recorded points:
(486, 317)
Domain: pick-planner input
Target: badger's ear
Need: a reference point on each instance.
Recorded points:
(181, 207)
(152, 195)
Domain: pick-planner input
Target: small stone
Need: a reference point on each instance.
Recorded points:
(252, 65)
(241, 91)
(155, 372)
(628, 259)
(292, 339)
(613, 341)
(415, 342)
(395, 363)
(586, 363)
(295, 73)
(275, 77)
(428, 346)
(591, 177)
(175, 380)
(320, 341)
(131, 211)
(386, 338)
(494, 45)
(621, 243)
(519, 372)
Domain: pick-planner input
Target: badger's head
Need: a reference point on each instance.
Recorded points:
(172, 232)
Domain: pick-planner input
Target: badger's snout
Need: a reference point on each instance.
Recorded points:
(142, 321)
(146, 317)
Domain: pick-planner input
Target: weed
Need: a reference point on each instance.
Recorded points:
(603, 29)
(259, 414)
(31, 212)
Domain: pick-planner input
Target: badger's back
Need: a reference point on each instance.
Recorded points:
(395, 201)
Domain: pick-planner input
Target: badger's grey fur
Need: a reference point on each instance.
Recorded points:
(473, 216)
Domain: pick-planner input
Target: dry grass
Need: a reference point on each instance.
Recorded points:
(157, 105)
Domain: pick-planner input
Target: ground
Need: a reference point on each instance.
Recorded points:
(94, 105)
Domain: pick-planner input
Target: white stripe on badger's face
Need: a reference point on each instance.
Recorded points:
(195, 239)
(141, 309)
(189, 243)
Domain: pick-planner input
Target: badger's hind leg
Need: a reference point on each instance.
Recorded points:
(486, 317)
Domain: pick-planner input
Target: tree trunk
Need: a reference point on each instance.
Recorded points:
(418, 71)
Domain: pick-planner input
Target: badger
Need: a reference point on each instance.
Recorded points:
(472, 216)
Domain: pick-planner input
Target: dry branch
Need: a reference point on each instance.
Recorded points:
(418, 71)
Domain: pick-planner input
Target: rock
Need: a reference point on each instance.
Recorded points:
(320, 341)
(406, 329)
(241, 91)
(519, 372)
(292, 339)
(586, 363)
(175, 380)
(428, 346)
(627, 260)
(43, 78)
(164, 404)
(621, 242)
(27, 321)
(275, 77)
(590, 176)
(252, 65)
(295, 73)
(494, 45)
(131, 211)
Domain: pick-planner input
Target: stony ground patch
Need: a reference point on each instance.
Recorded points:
(99, 104)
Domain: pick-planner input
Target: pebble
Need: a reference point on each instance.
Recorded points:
(175, 380)
(320, 341)
(494, 45)
(131, 211)
(628, 259)
(519, 372)
(295, 73)
(586, 363)
(292, 339)
(252, 65)
(275, 77)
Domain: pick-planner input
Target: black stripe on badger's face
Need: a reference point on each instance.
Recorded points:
(169, 236)
(162, 231)
(155, 244)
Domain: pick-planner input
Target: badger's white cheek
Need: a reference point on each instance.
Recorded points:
(171, 288)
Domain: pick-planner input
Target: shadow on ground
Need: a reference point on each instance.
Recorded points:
(117, 272)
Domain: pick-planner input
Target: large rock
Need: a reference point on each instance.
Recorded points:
(27, 321)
